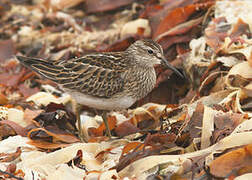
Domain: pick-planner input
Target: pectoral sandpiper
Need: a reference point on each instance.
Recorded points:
(108, 80)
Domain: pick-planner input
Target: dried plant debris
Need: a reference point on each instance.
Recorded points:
(199, 127)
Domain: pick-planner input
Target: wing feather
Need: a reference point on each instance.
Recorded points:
(94, 75)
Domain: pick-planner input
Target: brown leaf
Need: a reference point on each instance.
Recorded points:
(181, 28)
(29, 115)
(19, 130)
(215, 34)
(102, 128)
(76, 161)
(93, 6)
(64, 4)
(27, 91)
(11, 79)
(101, 155)
(125, 128)
(8, 157)
(135, 155)
(178, 16)
(120, 45)
(231, 162)
(161, 139)
(132, 146)
(52, 134)
(57, 115)
(196, 121)
(239, 29)
(7, 50)
(250, 60)
(3, 99)
(47, 145)
(225, 123)
(11, 168)
(157, 12)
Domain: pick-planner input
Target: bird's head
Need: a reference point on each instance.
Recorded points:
(148, 53)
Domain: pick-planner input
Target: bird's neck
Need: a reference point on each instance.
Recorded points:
(142, 81)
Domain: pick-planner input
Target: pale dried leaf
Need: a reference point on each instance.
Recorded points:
(243, 127)
(12, 143)
(207, 126)
(139, 167)
(243, 69)
(235, 10)
(131, 27)
(16, 116)
(64, 4)
(65, 172)
(43, 98)
(244, 177)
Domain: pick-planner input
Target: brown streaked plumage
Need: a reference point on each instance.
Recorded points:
(109, 80)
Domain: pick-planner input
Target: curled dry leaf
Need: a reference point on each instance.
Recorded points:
(239, 79)
(101, 129)
(243, 69)
(53, 164)
(8, 157)
(43, 98)
(60, 119)
(147, 116)
(139, 167)
(76, 160)
(132, 27)
(44, 145)
(64, 4)
(56, 135)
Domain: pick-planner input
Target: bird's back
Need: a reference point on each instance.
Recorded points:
(95, 77)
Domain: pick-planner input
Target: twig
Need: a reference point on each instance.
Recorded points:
(11, 175)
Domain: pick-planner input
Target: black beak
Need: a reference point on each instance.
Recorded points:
(168, 65)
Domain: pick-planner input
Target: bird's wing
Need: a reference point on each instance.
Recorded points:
(95, 75)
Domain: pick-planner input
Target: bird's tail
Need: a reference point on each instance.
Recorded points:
(43, 67)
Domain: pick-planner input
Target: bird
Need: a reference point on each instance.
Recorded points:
(106, 81)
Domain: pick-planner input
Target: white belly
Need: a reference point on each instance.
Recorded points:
(117, 103)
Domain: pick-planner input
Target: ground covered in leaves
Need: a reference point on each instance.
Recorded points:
(199, 127)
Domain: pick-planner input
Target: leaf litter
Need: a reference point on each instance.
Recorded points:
(198, 127)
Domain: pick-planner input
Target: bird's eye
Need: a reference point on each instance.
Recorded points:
(150, 51)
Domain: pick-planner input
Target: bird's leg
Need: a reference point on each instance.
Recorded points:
(105, 120)
(77, 108)
(80, 132)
